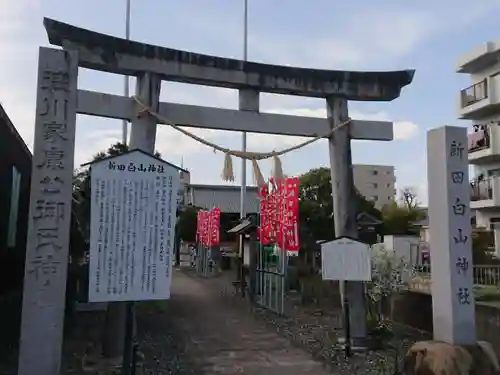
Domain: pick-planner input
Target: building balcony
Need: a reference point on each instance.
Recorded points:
(479, 59)
(484, 144)
(480, 99)
(485, 193)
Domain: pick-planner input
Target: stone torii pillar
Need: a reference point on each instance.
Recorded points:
(248, 101)
(344, 209)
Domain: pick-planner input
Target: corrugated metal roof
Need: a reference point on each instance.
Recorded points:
(227, 198)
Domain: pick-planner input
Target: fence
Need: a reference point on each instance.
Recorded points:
(484, 276)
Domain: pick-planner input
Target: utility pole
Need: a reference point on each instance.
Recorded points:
(244, 105)
(126, 78)
(116, 314)
(244, 134)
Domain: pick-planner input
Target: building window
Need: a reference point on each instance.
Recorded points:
(14, 207)
(374, 198)
(375, 185)
(374, 173)
(389, 185)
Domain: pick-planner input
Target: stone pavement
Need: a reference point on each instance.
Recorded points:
(222, 338)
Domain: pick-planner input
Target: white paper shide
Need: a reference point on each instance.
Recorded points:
(346, 259)
(133, 213)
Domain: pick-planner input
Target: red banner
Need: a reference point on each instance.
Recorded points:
(214, 227)
(264, 229)
(208, 227)
(291, 215)
(279, 211)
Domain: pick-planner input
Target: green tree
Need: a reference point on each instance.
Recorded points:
(186, 225)
(400, 217)
(316, 207)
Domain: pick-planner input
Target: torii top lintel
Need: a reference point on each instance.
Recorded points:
(116, 55)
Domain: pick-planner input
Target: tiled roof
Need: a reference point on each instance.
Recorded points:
(227, 198)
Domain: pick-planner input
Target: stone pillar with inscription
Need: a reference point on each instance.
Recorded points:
(450, 236)
(50, 214)
(345, 210)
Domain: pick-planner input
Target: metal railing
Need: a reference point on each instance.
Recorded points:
(481, 189)
(474, 93)
(486, 275)
(479, 140)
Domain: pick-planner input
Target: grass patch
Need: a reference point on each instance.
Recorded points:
(487, 293)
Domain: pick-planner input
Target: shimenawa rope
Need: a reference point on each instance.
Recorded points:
(227, 171)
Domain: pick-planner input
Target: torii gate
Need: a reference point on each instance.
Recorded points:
(59, 100)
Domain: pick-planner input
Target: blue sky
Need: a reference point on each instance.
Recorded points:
(428, 36)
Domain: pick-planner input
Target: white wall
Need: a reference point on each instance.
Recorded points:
(404, 246)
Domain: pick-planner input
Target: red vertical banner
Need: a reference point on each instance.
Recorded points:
(214, 227)
(263, 230)
(272, 211)
(291, 212)
(204, 228)
(281, 213)
(198, 226)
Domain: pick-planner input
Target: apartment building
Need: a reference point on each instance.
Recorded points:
(480, 103)
(376, 183)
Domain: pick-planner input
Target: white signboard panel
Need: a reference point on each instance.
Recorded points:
(346, 259)
(133, 214)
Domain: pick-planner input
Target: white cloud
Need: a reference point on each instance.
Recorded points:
(18, 63)
(373, 37)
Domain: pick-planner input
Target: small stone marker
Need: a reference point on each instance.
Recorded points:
(450, 236)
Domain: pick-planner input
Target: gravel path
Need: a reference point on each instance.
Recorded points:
(315, 330)
(204, 329)
(213, 337)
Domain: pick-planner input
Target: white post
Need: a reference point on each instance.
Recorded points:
(450, 236)
(244, 134)
(49, 214)
(345, 210)
(126, 78)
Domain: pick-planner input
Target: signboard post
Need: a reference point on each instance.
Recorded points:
(346, 259)
(132, 231)
(453, 304)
